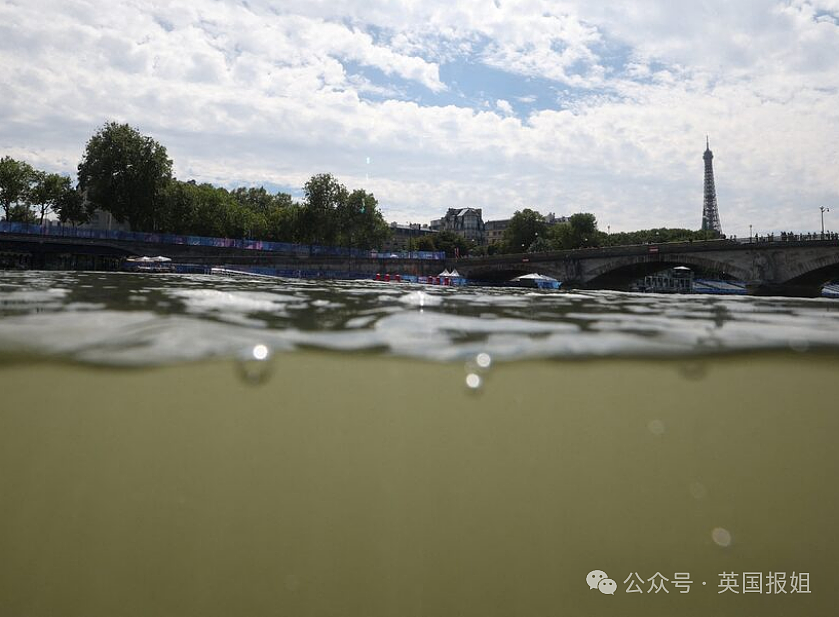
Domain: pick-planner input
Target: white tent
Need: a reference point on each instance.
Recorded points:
(445, 273)
(454, 273)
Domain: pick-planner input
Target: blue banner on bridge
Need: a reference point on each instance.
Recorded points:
(254, 245)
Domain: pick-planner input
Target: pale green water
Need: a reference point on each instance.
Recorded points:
(370, 480)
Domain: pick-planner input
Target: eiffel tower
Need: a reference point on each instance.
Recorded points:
(710, 214)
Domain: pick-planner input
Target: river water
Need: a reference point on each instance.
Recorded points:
(199, 445)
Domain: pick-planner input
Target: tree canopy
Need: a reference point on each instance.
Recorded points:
(660, 234)
(580, 231)
(16, 181)
(127, 174)
(23, 188)
(524, 228)
(48, 191)
(449, 242)
(323, 196)
(72, 208)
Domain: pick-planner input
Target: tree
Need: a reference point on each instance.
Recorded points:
(72, 207)
(425, 243)
(126, 173)
(580, 231)
(448, 241)
(540, 245)
(583, 225)
(255, 199)
(282, 219)
(317, 222)
(661, 234)
(360, 224)
(523, 229)
(179, 207)
(242, 222)
(47, 190)
(22, 213)
(16, 180)
(206, 210)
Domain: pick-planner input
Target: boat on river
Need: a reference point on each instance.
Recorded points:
(148, 264)
(535, 280)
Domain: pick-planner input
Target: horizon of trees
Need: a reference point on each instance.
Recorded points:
(130, 176)
(27, 194)
(528, 232)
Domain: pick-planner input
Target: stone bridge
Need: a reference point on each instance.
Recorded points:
(796, 268)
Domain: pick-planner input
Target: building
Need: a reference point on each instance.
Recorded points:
(710, 214)
(553, 219)
(401, 236)
(104, 220)
(468, 222)
(495, 230)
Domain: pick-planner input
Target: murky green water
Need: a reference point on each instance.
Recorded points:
(409, 451)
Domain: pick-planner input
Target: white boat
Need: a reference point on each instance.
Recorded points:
(534, 279)
(148, 264)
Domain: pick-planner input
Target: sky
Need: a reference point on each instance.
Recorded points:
(561, 106)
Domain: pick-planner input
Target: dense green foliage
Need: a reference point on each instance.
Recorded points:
(48, 192)
(579, 232)
(27, 195)
(528, 231)
(524, 228)
(16, 181)
(72, 208)
(126, 173)
(328, 215)
(449, 242)
(661, 234)
(331, 215)
(130, 176)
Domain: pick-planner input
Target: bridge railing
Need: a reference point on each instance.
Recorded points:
(245, 244)
(790, 237)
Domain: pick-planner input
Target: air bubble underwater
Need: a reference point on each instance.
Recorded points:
(721, 536)
(476, 371)
(473, 381)
(255, 365)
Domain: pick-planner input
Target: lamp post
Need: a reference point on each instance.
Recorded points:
(823, 210)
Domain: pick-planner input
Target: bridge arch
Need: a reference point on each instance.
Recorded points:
(619, 274)
(508, 271)
(814, 272)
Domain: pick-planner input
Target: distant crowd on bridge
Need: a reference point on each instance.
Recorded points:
(788, 236)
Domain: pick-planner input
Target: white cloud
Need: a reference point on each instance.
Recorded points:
(504, 107)
(259, 93)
